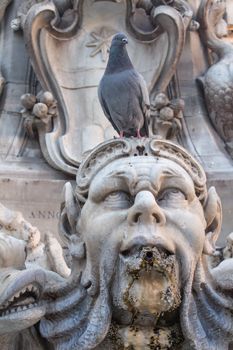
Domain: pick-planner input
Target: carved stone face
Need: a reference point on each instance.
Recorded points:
(144, 225)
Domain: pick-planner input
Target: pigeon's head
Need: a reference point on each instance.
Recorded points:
(120, 39)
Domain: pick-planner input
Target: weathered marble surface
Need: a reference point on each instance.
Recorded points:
(140, 278)
(28, 264)
(21, 159)
(74, 79)
(29, 184)
(140, 225)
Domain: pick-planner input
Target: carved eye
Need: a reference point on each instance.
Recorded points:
(118, 200)
(171, 196)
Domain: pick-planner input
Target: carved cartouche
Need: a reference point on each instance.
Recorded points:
(139, 277)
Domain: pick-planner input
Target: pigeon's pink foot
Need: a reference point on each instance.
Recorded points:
(138, 134)
(121, 134)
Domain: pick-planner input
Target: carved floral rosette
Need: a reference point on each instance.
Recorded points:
(68, 46)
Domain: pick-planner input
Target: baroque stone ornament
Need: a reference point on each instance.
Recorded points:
(218, 80)
(38, 114)
(54, 28)
(145, 225)
(27, 264)
(38, 111)
(167, 116)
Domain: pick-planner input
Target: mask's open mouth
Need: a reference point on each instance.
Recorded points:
(22, 300)
(149, 258)
(146, 281)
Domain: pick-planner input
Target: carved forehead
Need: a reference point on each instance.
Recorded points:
(144, 168)
(135, 174)
(120, 149)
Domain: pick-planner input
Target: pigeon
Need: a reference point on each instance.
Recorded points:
(123, 93)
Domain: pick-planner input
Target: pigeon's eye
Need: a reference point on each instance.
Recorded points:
(124, 40)
(118, 200)
(171, 196)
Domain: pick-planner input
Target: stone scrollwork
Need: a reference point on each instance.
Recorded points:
(218, 80)
(64, 17)
(53, 28)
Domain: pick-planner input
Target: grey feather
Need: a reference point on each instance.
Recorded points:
(122, 92)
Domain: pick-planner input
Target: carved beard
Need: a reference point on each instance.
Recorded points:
(79, 321)
(206, 312)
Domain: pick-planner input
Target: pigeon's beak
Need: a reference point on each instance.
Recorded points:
(125, 40)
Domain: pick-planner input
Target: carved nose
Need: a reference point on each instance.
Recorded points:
(146, 210)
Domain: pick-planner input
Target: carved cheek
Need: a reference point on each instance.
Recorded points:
(186, 229)
(98, 224)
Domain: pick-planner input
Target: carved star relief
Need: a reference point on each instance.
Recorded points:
(101, 43)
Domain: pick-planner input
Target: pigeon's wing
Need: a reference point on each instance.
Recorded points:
(105, 109)
(145, 103)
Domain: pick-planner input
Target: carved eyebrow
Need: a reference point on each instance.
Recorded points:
(162, 178)
(158, 176)
(113, 180)
(126, 172)
(170, 173)
(120, 173)
(128, 175)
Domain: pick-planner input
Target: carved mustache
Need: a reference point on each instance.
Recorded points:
(141, 241)
(138, 255)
